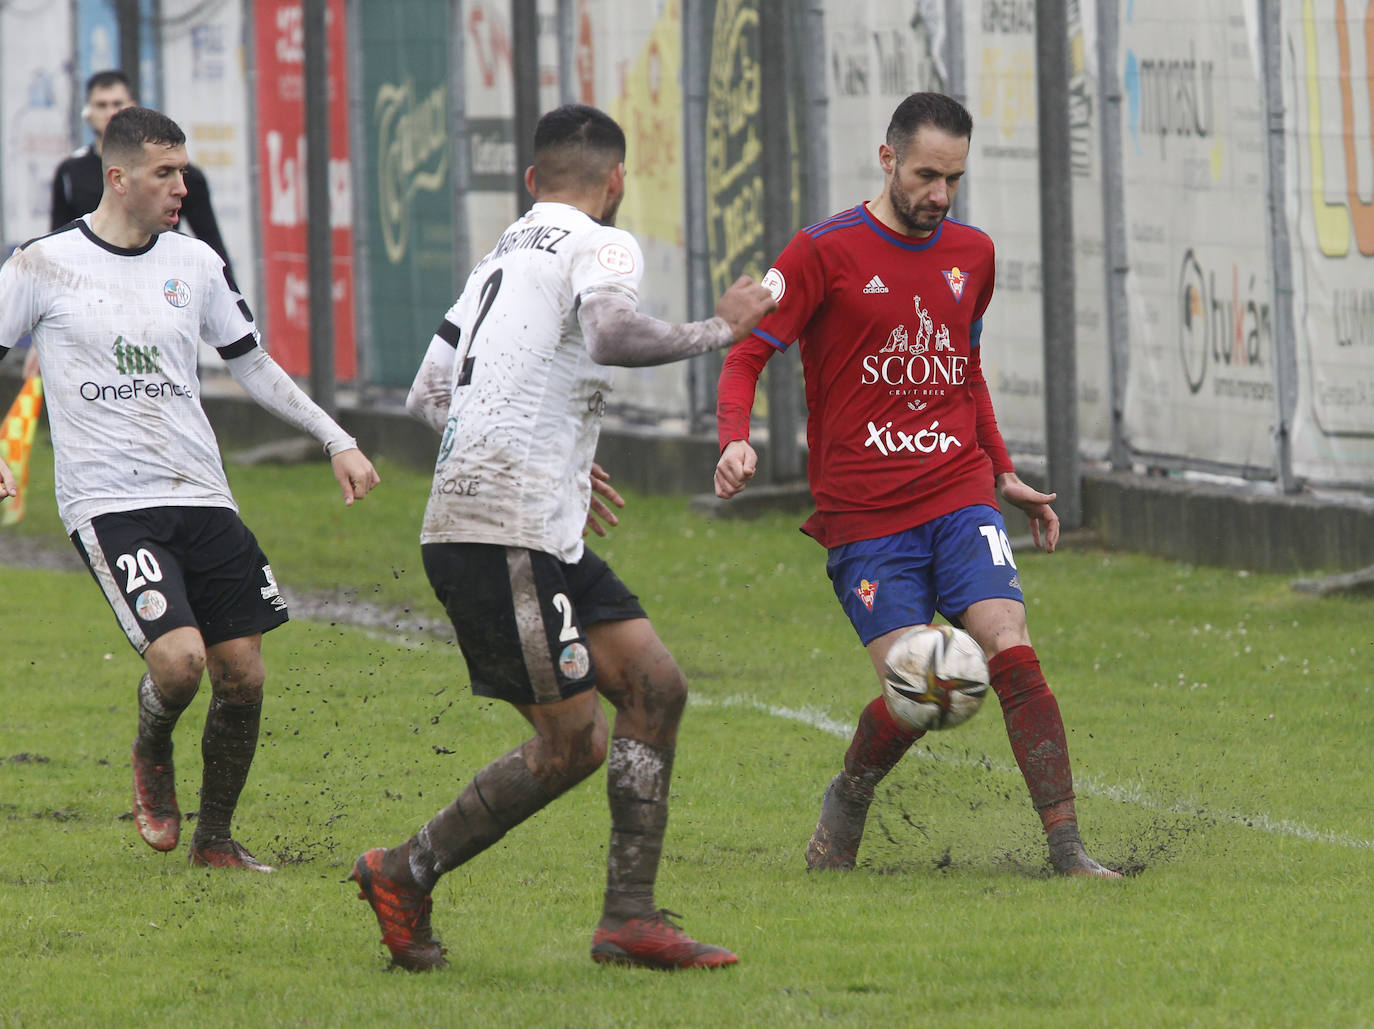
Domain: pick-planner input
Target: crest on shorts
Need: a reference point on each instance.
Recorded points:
(866, 591)
(150, 605)
(575, 662)
(957, 281)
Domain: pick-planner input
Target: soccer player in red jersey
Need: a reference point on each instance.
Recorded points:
(887, 301)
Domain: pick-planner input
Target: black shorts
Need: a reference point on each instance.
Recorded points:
(163, 568)
(521, 616)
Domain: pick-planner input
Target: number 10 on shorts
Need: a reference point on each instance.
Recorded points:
(998, 545)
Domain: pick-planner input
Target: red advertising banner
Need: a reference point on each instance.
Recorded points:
(279, 45)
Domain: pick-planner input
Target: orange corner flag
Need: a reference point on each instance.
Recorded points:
(16, 442)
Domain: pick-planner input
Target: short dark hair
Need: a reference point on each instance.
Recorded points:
(922, 109)
(106, 79)
(575, 145)
(130, 128)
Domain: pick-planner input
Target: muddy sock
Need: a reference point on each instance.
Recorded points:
(637, 777)
(878, 744)
(157, 717)
(227, 745)
(500, 797)
(1036, 732)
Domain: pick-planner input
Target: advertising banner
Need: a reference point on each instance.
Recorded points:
(279, 52)
(35, 110)
(1328, 64)
(1201, 378)
(409, 195)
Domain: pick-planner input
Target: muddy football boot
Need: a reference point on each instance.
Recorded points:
(225, 854)
(835, 843)
(402, 911)
(155, 803)
(655, 942)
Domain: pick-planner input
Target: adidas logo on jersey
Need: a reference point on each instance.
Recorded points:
(875, 285)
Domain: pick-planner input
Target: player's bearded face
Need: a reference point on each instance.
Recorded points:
(924, 179)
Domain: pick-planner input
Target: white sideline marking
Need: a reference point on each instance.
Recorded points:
(818, 719)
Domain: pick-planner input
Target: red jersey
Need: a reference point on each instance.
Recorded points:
(900, 425)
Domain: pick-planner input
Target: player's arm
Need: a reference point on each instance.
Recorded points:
(739, 380)
(432, 391)
(618, 334)
(61, 209)
(9, 486)
(1044, 523)
(265, 381)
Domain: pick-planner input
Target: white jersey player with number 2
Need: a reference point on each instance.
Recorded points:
(522, 423)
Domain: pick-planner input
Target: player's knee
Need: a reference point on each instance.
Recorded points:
(177, 670)
(665, 694)
(238, 685)
(566, 760)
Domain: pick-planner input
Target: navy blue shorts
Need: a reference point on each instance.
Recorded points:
(942, 566)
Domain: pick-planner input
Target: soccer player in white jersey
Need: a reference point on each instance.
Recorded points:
(515, 379)
(117, 306)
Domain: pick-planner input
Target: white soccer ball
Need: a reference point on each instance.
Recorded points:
(936, 678)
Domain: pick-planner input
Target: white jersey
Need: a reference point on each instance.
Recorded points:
(526, 398)
(117, 333)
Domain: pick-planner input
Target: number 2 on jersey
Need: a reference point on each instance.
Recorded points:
(488, 297)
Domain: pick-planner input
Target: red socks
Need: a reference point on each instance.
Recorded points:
(1034, 727)
(1036, 731)
(878, 744)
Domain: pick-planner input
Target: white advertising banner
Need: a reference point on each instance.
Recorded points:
(1201, 378)
(1002, 188)
(207, 95)
(35, 112)
(1328, 99)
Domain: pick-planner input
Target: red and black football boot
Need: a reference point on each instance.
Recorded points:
(655, 942)
(155, 802)
(402, 911)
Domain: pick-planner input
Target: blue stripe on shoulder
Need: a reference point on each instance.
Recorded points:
(770, 339)
(836, 221)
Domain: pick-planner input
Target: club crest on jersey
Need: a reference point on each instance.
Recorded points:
(178, 294)
(866, 591)
(957, 281)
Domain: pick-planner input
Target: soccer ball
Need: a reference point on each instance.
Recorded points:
(936, 678)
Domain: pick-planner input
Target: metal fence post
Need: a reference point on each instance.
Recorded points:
(1280, 254)
(524, 18)
(1113, 225)
(320, 233)
(1056, 252)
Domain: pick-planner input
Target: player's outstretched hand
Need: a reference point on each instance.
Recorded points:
(736, 467)
(355, 474)
(601, 487)
(743, 305)
(8, 486)
(1044, 523)
(31, 362)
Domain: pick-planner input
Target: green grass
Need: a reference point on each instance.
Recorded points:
(1218, 723)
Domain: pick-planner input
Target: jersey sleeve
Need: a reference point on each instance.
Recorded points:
(989, 435)
(18, 301)
(797, 282)
(225, 316)
(609, 259)
(739, 382)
